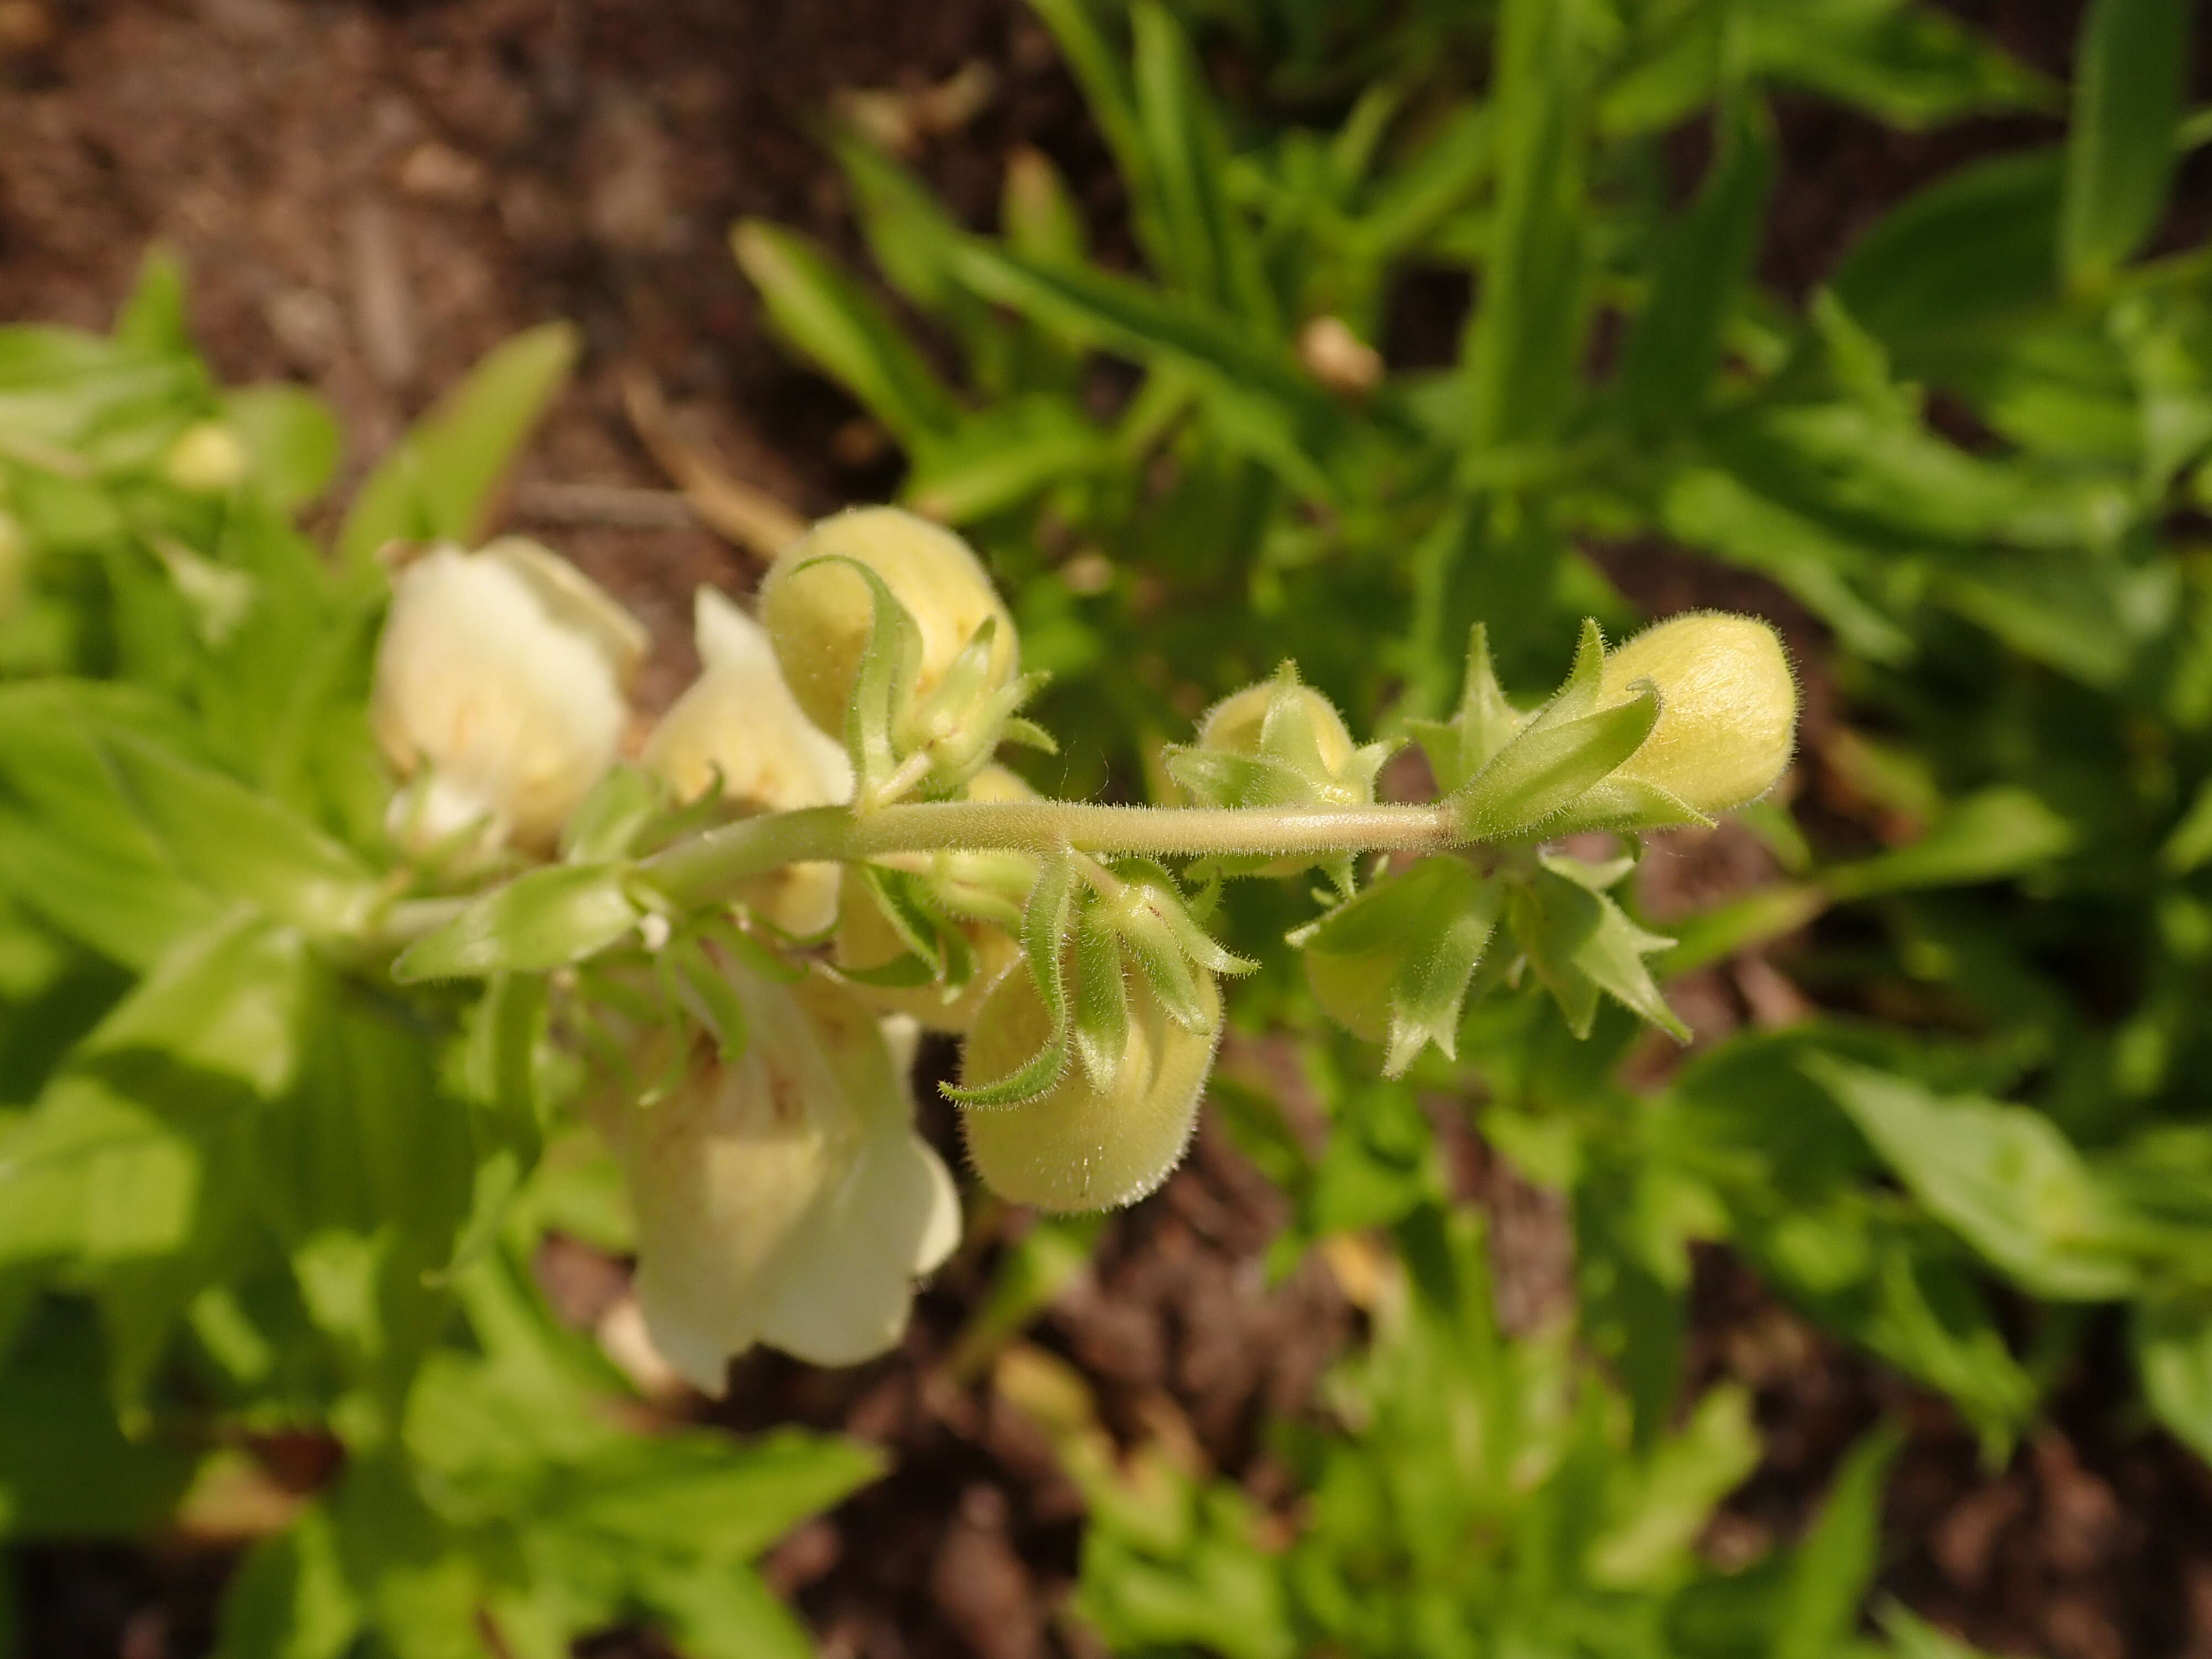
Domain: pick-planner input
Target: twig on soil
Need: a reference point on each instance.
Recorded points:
(741, 512)
(621, 506)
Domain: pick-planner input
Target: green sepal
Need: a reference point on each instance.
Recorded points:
(1422, 933)
(1215, 777)
(1554, 761)
(1581, 943)
(1044, 926)
(749, 953)
(547, 919)
(1626, 805)
(613, 820)
(936, 949)
(1102, 1002)
(702, 983)
(1484, 722)
(882, 688)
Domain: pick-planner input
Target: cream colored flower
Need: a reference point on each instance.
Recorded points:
(499, 692)
(739, 722)
(785, 1198)
(821, 614)
(1727, 707)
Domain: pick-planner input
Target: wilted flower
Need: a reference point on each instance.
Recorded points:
(1074, 1147)
(784, 1198)
(1727, 707)
(820, 614)
(738, 722)
(499, 692)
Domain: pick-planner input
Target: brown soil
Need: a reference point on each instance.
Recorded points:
(371, 194)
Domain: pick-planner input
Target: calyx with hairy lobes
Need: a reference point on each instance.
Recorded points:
(815, 837)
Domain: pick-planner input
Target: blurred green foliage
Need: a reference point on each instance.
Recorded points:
(249, 1190)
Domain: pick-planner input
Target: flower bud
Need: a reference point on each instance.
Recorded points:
(866, 939)
(208, 457)
(498, 693)
(1727, 707)
(820, 615)
(1073, 1147)
(1279, 744)
(738, 723)
(784, 1197)
(1304, 722)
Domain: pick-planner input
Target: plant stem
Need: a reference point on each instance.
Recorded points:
(711, 864)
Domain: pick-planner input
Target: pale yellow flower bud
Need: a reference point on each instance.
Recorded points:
(738, 722)
(1074, 1148)
(207, 458)
(1727, 707)
(820, 615)
(1235, 723)
(499, 692)
(784, 1199)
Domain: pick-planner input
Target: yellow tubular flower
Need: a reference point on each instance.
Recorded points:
(1074, 1148)
(784, 1199)
(1727, 707)
(737, 721)
(819, 615)
(499, 693)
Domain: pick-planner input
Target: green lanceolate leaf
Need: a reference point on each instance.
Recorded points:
(229, 1000)
(1185, 161)
(2003, 1177)
(1674, 348)
(2173, 1338)
(825, 315)
(1830, 1573)
(438, 482)
(545, 920)
(2128, 93)
(1526, 333)
(1997, 833)
(235, 841)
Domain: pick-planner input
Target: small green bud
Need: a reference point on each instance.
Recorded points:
(208, 457)
(1278, 743)
(1728, 708)
(820, 615)
(1074, 1147)
(1304, 723)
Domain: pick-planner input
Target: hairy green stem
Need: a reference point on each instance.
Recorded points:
(711, 864)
